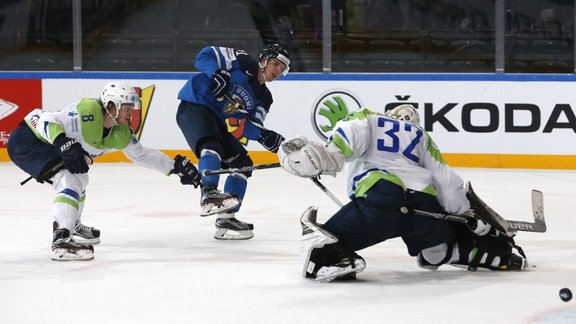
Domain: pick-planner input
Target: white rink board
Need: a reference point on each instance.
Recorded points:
(294, 101)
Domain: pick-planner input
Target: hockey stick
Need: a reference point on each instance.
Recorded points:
(53, 170)
(239, 108)
(538, 226)
(319, 184)
(239, 170)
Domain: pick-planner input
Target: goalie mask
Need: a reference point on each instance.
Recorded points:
(119, 93)
(275, 51)
(405, 113)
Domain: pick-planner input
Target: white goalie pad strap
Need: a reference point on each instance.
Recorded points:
(311, 159)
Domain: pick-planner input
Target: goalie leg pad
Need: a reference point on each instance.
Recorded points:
(490, 252)
(323, 258)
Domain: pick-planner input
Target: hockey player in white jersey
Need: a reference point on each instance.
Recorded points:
(391, 163)
(58, 147)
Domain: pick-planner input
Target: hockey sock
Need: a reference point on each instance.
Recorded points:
(236, 185)
(209, 160)
(65, 208)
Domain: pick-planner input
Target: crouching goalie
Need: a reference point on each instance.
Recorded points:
(392, 163)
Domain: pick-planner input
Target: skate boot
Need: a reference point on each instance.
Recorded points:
(86, 234)
(324, 257)
(230, 228)
(214, 201)
(65, 249)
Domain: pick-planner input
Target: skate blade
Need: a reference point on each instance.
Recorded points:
(228, 235)
(81, 240)
(212, 209)
(64, 255)
(339, 272)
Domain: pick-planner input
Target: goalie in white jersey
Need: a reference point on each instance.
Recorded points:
(57, 147)
(391, 163)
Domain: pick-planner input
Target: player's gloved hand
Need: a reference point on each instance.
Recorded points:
(270, 140)
(187, 172)
(220, 83)
(72, 154)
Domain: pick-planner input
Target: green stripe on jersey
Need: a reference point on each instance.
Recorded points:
(370, 180)
(54, 130)
(434, 151)
(342, 144)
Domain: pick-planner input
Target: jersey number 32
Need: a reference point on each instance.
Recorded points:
(391, 142)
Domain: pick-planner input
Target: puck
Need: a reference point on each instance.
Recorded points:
(565, 294)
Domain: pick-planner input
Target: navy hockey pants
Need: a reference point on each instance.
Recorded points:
(199, 124)
(364, 222)
(31, 154)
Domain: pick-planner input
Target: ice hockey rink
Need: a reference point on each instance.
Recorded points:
(158, 262)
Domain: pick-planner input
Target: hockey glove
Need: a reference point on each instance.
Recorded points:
(220, 83)
(72, 154)
(304, 158)
(186, 171)
(270, 140)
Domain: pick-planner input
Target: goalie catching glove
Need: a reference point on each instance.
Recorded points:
(186, 171)
(303, 158)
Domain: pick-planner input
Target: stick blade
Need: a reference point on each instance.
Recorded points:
(539, 224)
(538, 210)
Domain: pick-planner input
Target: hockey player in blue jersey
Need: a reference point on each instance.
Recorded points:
(231, 85)
(392, 163)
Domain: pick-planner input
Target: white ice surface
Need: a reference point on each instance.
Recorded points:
(158, 262)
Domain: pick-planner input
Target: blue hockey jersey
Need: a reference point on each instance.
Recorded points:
(254, 98)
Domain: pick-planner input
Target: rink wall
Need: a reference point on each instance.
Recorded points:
(477, 120)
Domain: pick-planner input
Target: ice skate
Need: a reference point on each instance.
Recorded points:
(230, 228)
(344, 269)
(65, 249)
(324, 258)
(86, 234)
(214, 201)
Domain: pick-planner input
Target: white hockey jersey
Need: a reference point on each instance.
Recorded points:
(84, 122)
(377, 147)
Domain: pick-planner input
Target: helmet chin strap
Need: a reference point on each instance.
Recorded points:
(263, 67)
(113, 117)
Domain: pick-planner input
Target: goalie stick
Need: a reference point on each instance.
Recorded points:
(242, 169)
(509, 227)
(317, 182)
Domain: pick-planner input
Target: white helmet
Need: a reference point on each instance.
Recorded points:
(119, 93)
(405, 113)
